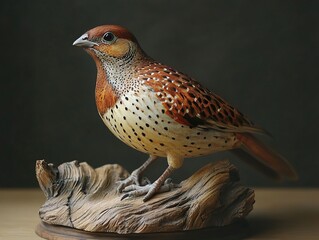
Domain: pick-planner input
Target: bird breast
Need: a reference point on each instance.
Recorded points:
(139, 120)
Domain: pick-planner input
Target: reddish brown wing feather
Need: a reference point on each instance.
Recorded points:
(187, 102)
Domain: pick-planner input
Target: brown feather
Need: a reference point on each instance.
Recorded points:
(105, 97)
(118, 31)
(188, 103)
(268, 157)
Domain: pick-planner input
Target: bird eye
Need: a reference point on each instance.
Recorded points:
(109, 37)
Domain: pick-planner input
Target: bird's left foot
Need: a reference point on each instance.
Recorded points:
(148, 190)
(132, 180)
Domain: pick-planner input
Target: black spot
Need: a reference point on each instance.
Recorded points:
(139, 118)
(133, 112)
(126, 98)
(143, 134)
(126, 109)
(147, 125)
(148, 107)
(173, 138)
(163, 111)
(162, 144)
(198, 148)
(157, 115)
(150, 140)
(137, 108)
(141, 128)
(184, 145)
(191, 95)
(192, 143)
(121, 124)
(190, 151)
(198, 133)
(124, 117)
(135, 133)
(121, 102)
(139, 139)
(149, 116)
(204, 137)
(165, 128)
(159, 133)
(129, 136)
(156, 149)
(209, 145)
(156, 122)
(187, 137)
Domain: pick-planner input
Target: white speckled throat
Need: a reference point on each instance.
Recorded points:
(119, 70)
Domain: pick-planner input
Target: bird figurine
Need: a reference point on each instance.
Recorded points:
(164, 113)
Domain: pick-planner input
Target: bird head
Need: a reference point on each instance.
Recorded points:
(108, 41)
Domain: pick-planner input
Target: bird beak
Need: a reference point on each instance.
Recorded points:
(84, 42)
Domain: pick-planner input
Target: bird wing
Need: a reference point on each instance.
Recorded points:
(188, 103)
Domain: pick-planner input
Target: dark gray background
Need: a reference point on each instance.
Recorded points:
(262, 56)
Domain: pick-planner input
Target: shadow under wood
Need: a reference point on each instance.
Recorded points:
(236, 231)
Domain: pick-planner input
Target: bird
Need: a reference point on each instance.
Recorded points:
(163, 112)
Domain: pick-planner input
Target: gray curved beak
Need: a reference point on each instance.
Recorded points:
(84, 42)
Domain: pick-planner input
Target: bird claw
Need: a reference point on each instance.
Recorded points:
(132, 179)
(148, 190)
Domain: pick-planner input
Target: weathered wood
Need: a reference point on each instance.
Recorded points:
(84, 198)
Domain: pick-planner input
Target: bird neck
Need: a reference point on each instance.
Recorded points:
(114, 77)
(105, 97)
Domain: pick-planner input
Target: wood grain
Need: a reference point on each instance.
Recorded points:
(279, 213)
(84, 198)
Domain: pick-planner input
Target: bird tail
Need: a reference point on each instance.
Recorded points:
(264, 158)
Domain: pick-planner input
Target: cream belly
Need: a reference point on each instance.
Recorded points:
(138, 119)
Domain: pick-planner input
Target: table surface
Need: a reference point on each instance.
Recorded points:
(277, 214)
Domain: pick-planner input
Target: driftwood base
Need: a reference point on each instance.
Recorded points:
(237, 230)
(84, 198)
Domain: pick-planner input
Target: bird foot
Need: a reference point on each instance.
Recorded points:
(148, 190)
(132, 180)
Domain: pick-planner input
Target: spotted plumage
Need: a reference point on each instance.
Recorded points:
(164, 113)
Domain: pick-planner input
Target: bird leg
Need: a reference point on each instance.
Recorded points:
(162, 184)
(135, 175)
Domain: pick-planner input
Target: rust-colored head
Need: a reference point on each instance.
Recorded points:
(111, 40)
